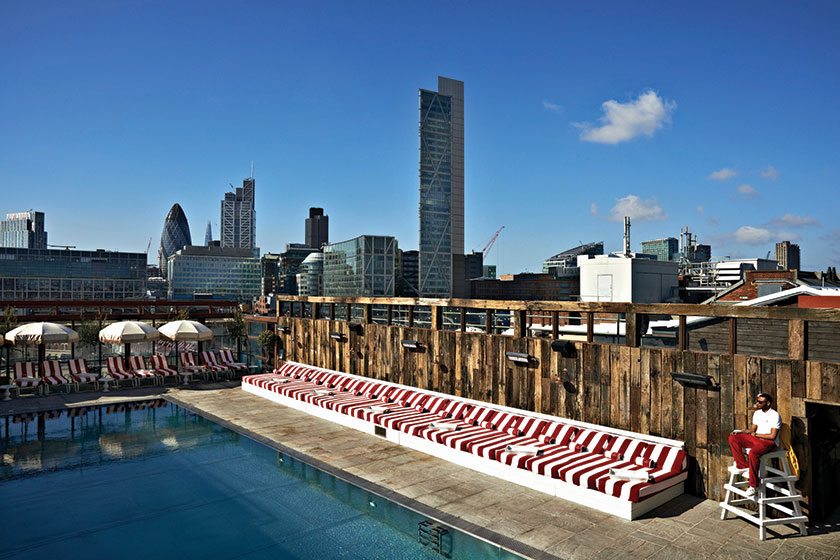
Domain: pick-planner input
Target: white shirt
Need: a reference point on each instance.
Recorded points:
(766, 421)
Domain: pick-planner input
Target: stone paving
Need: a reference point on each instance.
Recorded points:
(519, 519)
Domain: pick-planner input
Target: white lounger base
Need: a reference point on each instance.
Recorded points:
(579, 495)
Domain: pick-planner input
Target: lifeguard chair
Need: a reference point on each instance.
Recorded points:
(775, 490)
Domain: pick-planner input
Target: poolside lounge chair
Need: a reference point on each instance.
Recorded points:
(80, 374)
(161, 366)
(116, 369)
(26, 376)
(54, 377)
(188, 363)
(226, 359)
(208, 359)
(137, 365)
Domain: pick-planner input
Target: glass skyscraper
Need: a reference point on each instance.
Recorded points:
(175, 235)
(361, 267)
(441, 260)
(23, 230)
(239, 219)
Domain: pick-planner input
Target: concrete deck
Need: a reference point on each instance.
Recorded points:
(519, 519)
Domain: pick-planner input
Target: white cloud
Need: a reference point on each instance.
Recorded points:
(593, 209)
(770, 173)
(749, 235)
(747, 190)
(794, 221)
(722, 174)
(554, 107)
(625, 121)
(637, 209)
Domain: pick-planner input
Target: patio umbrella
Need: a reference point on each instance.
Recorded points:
(126, 332)
(41, 334)
(189, 331)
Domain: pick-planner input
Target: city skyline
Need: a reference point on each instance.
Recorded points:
(717, 118)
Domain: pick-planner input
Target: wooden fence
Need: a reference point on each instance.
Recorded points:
(625, 386)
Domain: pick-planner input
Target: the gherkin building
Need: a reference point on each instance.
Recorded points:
(176, 234)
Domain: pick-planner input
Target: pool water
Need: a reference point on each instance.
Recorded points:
(152, 480)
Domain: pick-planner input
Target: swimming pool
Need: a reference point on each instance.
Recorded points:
(153, 480)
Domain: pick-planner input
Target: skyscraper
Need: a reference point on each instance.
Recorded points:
(441, 209)
(208, 235)
(23, 230)
(787, 255)
(239, 219)
(317, 228)
(175, 236)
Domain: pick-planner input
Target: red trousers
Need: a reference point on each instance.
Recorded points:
(757, 447)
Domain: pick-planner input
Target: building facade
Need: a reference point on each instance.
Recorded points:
(408, 270)
(526, 286)
(563, 263)
(310, 278)
(59, 274)
(23, 230)
(175, 235)
(441, 209)
(787, 255)
(238, 218)
(317, 229)
(270, 283)
(290, 261)
(364, 266)
(665, 249)
(200, 272)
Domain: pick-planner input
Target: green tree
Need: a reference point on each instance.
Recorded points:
(235, 327)
(268, 342)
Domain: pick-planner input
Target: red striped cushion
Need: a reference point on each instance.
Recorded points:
(624, 447)
(558, 433)
(531, 427)
(479, 414)
(456, 410)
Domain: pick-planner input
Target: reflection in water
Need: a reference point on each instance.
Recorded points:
(92, 435)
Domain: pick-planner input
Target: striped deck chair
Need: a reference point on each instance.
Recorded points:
(137, 365)
(525, 433)
(54, 377)
(80, 374)
(26, 376)
(226, 359)
(161, 367)
(116, 369)
(188, 364)
(208, 360)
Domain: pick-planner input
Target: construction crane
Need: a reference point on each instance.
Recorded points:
(492, 241)
(66, 247)
(149, 246)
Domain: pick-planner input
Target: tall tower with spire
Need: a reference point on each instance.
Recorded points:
(208, 234)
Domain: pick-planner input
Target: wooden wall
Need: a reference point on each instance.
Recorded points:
(613, 385)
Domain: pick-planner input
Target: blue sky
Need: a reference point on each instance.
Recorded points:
(722, 117)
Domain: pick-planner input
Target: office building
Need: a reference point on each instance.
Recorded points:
(201, 272)
(665, 249)
(562, 264)
(290, 261)
(474, 265)
(700, 253)
(23, 230)
(488, 271)
(364, 266)
(175, 235)
(310, 277)
(270, 265)
(526, 287)
(65, 274)
(208, 234)
(441, 209)
(317, 229)
(408, 269)
(787, 255)
(239, 220)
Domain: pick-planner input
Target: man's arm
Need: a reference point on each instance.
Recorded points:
(771, 436)
(753, 429)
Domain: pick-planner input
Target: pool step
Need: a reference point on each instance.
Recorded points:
(432, 534)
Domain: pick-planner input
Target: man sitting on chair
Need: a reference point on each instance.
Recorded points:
(761, 438)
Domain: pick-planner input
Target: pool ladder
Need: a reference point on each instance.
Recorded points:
(435, 536)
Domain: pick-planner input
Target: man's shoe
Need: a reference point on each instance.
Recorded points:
(750, 493)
